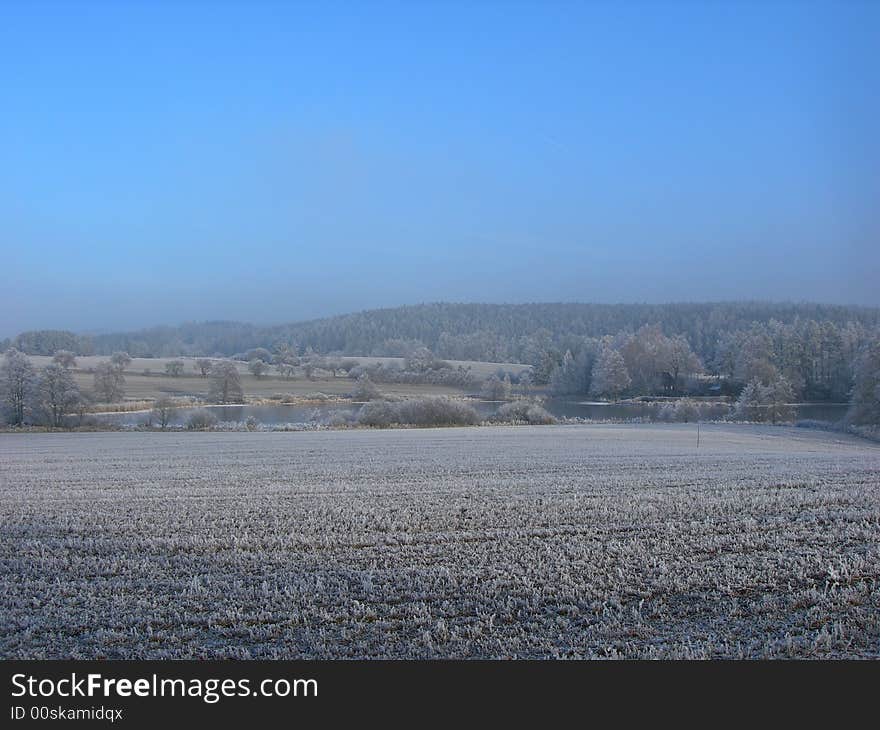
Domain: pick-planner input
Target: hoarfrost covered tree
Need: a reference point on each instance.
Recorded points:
(17, 381)
(120, 360)
(778, 395)
(225, 384)
(572, 375)
(865, 400)
(610, 377)
(65, 358)
(495, 388)
(285, 362)
(56, 394)
(365, 390)
(258, 367)
(258, 353)
(202, 366)
(174, 368)
(420, 360)
(770, 402)
(109, 382)
(681, 360)
(163, 411)
(80, 405)
(748, 405)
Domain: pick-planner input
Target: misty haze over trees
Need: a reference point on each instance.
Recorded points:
(765, 355)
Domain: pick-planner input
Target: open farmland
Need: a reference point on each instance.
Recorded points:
(145, 378)
(561, 541)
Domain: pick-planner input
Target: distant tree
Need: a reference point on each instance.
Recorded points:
(225, 384)
(56, 393)
(572, 375)
(420, 360)
(65, 358)
(109, 382)
(17, 383)
(680, 359)
(365, 389)
(47, 342)
(120, 360)
(201, 420)
(202, 365)
(494, 388)
(258, 353)
(174, 368)
(865, 399)
(610, 377)
(80, 405)
(258, 368)
(286, 367)
(770, 402)
(754, 357)
(749, 405)
(285, 361)
(163, 411)
(525, 381)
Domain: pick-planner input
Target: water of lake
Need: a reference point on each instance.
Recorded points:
(560, 407)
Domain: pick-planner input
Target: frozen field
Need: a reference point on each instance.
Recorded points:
(563, 541)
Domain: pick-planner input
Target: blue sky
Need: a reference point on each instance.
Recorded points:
(171, 161)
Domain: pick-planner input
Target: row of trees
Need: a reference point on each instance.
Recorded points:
(51, 395)
(646, 362)
(44, 397)
(813, 346)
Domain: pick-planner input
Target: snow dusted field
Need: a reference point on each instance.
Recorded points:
(562, 541)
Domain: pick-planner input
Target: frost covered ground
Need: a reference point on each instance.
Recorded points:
(560, 541)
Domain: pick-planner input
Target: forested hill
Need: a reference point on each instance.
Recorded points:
(493, 332)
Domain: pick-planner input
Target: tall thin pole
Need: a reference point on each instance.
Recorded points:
(698, 434)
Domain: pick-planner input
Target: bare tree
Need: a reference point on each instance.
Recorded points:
(495, 388)
(65, 358)
(109, 382)
(174, 368)
(365, 390)
(258, 367)
(202, 366)
(17, 382)
(120, 360)
(225, 383)
(163, 411)
(525, 381)
(56, 393)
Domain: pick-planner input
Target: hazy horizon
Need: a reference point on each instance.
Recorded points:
(278, 322)
(272, 163)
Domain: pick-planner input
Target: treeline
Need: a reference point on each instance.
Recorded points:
(577, 348)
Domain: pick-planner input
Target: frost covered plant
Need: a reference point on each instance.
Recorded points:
(365, 390)
(424, 412)
(566, 542)
(201, 420)
(771, 402)
(524, 411)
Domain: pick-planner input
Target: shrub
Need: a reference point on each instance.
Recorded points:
(365, 390)
(423, 412)
(378, 414)
(440, 411)
(527, 411)
(200, 420)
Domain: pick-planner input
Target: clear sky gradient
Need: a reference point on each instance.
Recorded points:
(171, 161)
